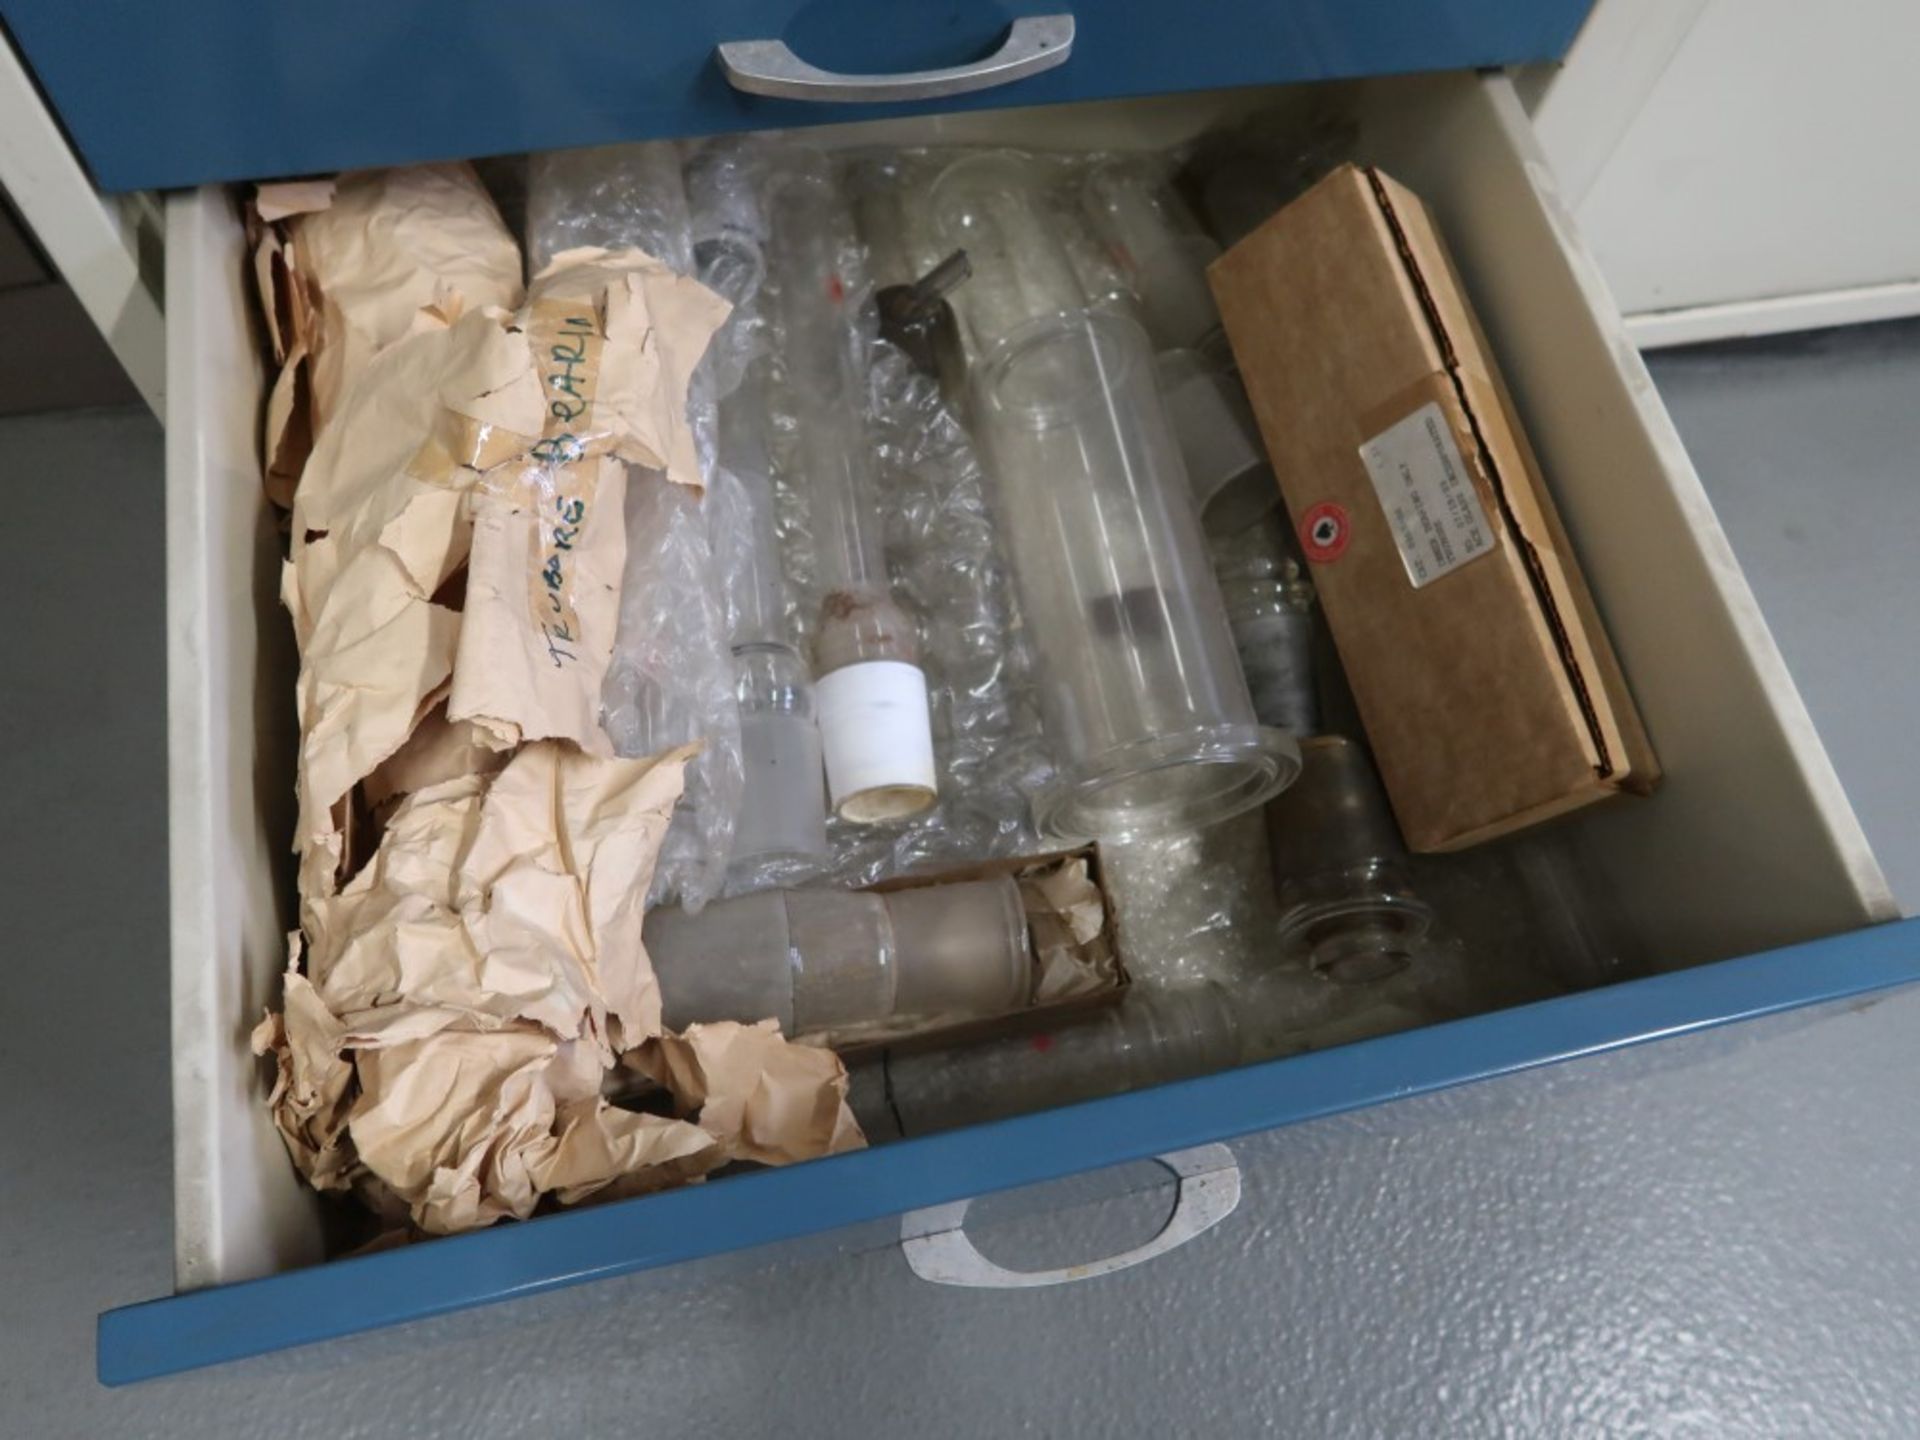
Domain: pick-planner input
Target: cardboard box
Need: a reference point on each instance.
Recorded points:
(1490, 693)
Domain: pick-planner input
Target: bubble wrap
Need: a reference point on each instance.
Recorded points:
(1196, 907)
(724, 182)
(670, 679)
(609, 195)
(946, 567)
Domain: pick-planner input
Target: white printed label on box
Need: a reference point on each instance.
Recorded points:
(1427, 493)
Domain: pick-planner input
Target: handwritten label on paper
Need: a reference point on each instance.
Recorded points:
(566, 341)
(1427, 493)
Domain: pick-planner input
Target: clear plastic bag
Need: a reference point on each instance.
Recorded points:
(945, 565)
(670, 679)
(1195, 907)
(611, 196)
(725, 180)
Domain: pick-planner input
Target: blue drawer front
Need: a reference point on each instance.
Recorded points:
(158, 95)
(209, 1326)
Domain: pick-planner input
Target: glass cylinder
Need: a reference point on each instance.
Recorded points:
(1159, 246)
(1270, 607)
(963, 949)
(1140, 689)
(827, 961)
(1348, 910)
(1147, 1039)
(842, 958)
(875, 721)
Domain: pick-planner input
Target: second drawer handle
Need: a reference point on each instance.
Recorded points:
(769, 67)
(937, 1248)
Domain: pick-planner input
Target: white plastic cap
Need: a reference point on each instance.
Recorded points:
(876, 730)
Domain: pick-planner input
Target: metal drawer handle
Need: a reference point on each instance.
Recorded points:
(769, 67)
(937, 1248)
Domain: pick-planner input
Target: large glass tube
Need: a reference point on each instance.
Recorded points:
(875, 722)
(1139, 683)
(829, 962)
(1148, 1039)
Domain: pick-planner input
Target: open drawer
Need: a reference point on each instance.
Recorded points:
(1750, 847)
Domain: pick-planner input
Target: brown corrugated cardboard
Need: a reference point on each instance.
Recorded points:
(1489, 691)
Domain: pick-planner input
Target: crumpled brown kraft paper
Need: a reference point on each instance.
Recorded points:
(468, 1129)
(497, 444)
(497, 900)
(344, 266)
(438, 750)
(542, 603)
(1066, 917)
(761, 1096)
(614, 338)
(393, 243)
(457, 525)
(464, 994)
(313, 1083)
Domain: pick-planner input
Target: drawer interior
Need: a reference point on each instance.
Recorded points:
(1750, 844)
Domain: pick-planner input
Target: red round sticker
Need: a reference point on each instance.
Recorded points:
(1324, 532)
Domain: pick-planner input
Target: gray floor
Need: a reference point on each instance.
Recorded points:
(1714, 1237)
